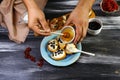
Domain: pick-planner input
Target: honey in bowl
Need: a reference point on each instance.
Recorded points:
(69, 34)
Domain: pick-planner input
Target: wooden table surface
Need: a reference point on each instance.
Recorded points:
(104, 66)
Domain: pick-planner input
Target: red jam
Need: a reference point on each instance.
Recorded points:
(109, 5)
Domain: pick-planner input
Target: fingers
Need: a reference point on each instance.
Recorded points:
(80, 32)
(84, 29)
(68, 22)
(36, 29)
(81, 29)
(44, 24)
(37, 26)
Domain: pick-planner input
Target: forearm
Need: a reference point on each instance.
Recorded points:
(87, 4)
(30, 4)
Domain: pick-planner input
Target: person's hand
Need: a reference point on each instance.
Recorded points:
(79, 17)
(37, 21)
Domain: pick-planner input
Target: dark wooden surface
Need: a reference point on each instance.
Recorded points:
(104, 66)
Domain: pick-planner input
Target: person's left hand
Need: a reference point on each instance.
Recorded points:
(79, 17)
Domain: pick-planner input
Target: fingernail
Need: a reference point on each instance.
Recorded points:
(47, 30)
(75, 42)
(81, 39)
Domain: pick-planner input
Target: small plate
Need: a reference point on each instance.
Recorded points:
(70, 59)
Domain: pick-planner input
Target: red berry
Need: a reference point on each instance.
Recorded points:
(40, 64)
(27, 56)
(28, 49)
(41, 60)
(109, 5)
(32, 59)
(26, 52)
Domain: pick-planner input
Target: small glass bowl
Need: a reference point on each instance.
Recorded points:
(71, 31)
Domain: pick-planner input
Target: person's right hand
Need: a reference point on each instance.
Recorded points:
(37, 21)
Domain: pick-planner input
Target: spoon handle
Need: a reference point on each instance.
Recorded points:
(88, 53)
(57, 33)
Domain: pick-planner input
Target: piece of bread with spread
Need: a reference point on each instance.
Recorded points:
(52, 45)
(58, 55)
